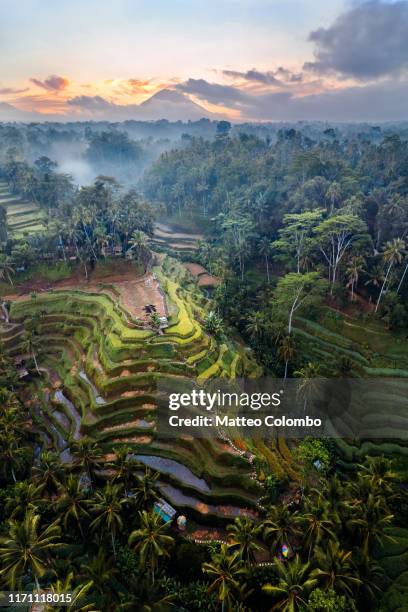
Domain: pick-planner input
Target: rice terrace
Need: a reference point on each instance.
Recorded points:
(204, 306)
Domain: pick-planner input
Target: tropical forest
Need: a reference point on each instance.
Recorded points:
(134, 253)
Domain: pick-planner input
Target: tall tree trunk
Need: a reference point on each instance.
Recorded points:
(382, 287)
(402, 278)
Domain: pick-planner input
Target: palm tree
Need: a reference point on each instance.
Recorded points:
(286, 351)
(318, 524)
(124, 466)
(25, 548)
(227, 571)
(49, 470)
(25, 496)
(71, 502)
(6, 269)
(255, 326)
(12, 453)
(107, 505)
(100, 570)
(333, 193)
(144, 491)
(353, 271)
(335, 569)
(281, 527)
(370, 521)
(379, 473)
(151, 540)
(265, 248)
(31, 344)
(393, 253)
(309, 385)
(295, 582)
(80, 598)
(87, 455)
(242, 536)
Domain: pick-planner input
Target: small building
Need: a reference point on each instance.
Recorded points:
(163, 509)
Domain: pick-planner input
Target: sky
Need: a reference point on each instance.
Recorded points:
(244, 60)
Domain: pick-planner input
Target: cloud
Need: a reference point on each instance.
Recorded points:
(266, 78)
(376, 102)
(214, 93)
(6, 91)
(52, 83)
(367, 42)
(90, 103)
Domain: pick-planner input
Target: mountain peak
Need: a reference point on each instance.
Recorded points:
(172, 105)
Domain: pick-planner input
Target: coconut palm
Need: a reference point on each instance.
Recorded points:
(335, 569)
(227, 572)
(393, 252)
(309, 385)
(354, 268)
(295, 582)
(378, 471)
(255, 326)
(144, 491)
(318, 524)
(72, 502)
(265, 249)
(25, 548)
(370, 521)
(25, 496)
(287, 351)
(242, 536)
(100, 570)
(31, 344)
(80, 596)
(151, 540)
(124, 466)
(281, 527)
(48, 471)
(107, 505)
(87, 455)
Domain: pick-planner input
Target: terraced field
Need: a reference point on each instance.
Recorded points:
(23, 217)
(369, 351)
(100, 371)
(177, 244)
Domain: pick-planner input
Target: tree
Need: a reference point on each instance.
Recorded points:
(295, 581)
(393, 253)
(151, 540)
(86, 455)
(6, 269)
(213, 323)
(295, 238)
(72, 502)
(328, 601)
(309, 386)
(370, 520)
(335, 569)
(265, 249)
(354, 268)
(107, 506)
(31, 344)
(26, 548)
(281, 527)
(287, 351)
(242, 536)
(318, 524)
(226, 571)
(144, 491)
(296, 292)
(335, 236)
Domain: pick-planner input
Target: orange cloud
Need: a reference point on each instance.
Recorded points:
(52, 83)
